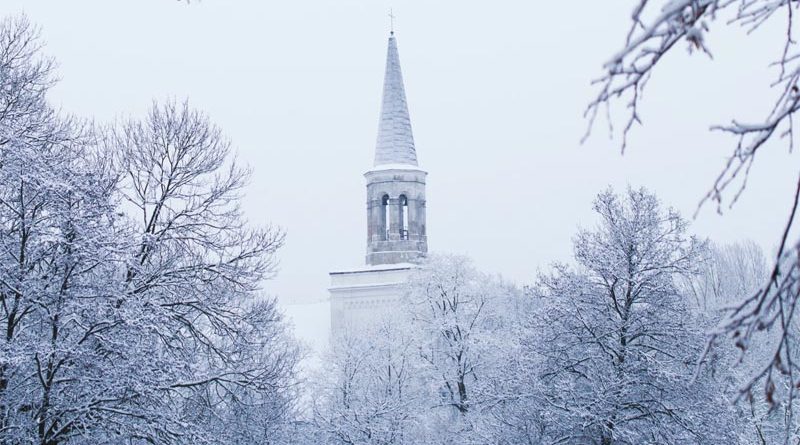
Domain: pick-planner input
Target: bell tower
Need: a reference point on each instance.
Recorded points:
(396, 231)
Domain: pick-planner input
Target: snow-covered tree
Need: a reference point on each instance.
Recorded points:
(618, 342)
(658, 28)
(430, 370)
(509, 397)
(129, 281)
(730, 273)
(457, 314)
(192, 273)
(450, 306)
(26, 75)
(372, 391)
(57, 256)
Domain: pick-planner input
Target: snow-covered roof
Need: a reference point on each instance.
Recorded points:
(377, 267)
(385, 167)
(395, 140)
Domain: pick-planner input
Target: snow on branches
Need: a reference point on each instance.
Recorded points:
(656, 29)
(618, 340)
(120, 325)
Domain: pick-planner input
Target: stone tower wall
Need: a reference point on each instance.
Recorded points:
(395, 245)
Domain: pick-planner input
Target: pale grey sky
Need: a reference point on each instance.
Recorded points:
(496, 92)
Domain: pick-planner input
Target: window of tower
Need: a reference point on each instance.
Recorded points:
(403, 217)
(385, 216)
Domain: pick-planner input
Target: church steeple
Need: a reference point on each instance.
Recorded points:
(396, 230)
(395, 140)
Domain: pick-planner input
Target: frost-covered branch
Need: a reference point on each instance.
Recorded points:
(656, 29)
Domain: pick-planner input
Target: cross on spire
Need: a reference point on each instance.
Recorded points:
(391, 22)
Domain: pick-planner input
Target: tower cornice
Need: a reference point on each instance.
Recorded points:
(394, 167)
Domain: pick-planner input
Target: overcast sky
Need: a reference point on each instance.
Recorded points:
(496, 92)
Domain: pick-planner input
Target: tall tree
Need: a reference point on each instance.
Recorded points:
(129, 278)
(731, 273)
(657, 29)
(193, 271)
(618, 340)
(372, 391)
(456, 313)
(57, 254)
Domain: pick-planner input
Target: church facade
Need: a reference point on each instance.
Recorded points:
(395, 211)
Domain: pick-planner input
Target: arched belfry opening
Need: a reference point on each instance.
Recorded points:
(403, 208)
(385, 218)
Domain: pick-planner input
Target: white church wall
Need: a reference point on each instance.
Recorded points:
(360, 298)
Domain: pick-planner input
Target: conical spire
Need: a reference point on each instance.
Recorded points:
(395, 140)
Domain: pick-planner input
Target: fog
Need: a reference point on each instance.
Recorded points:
(496, 94)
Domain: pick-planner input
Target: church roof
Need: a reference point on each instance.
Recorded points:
(395, 140)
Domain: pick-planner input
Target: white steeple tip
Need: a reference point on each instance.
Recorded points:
(395, 139)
